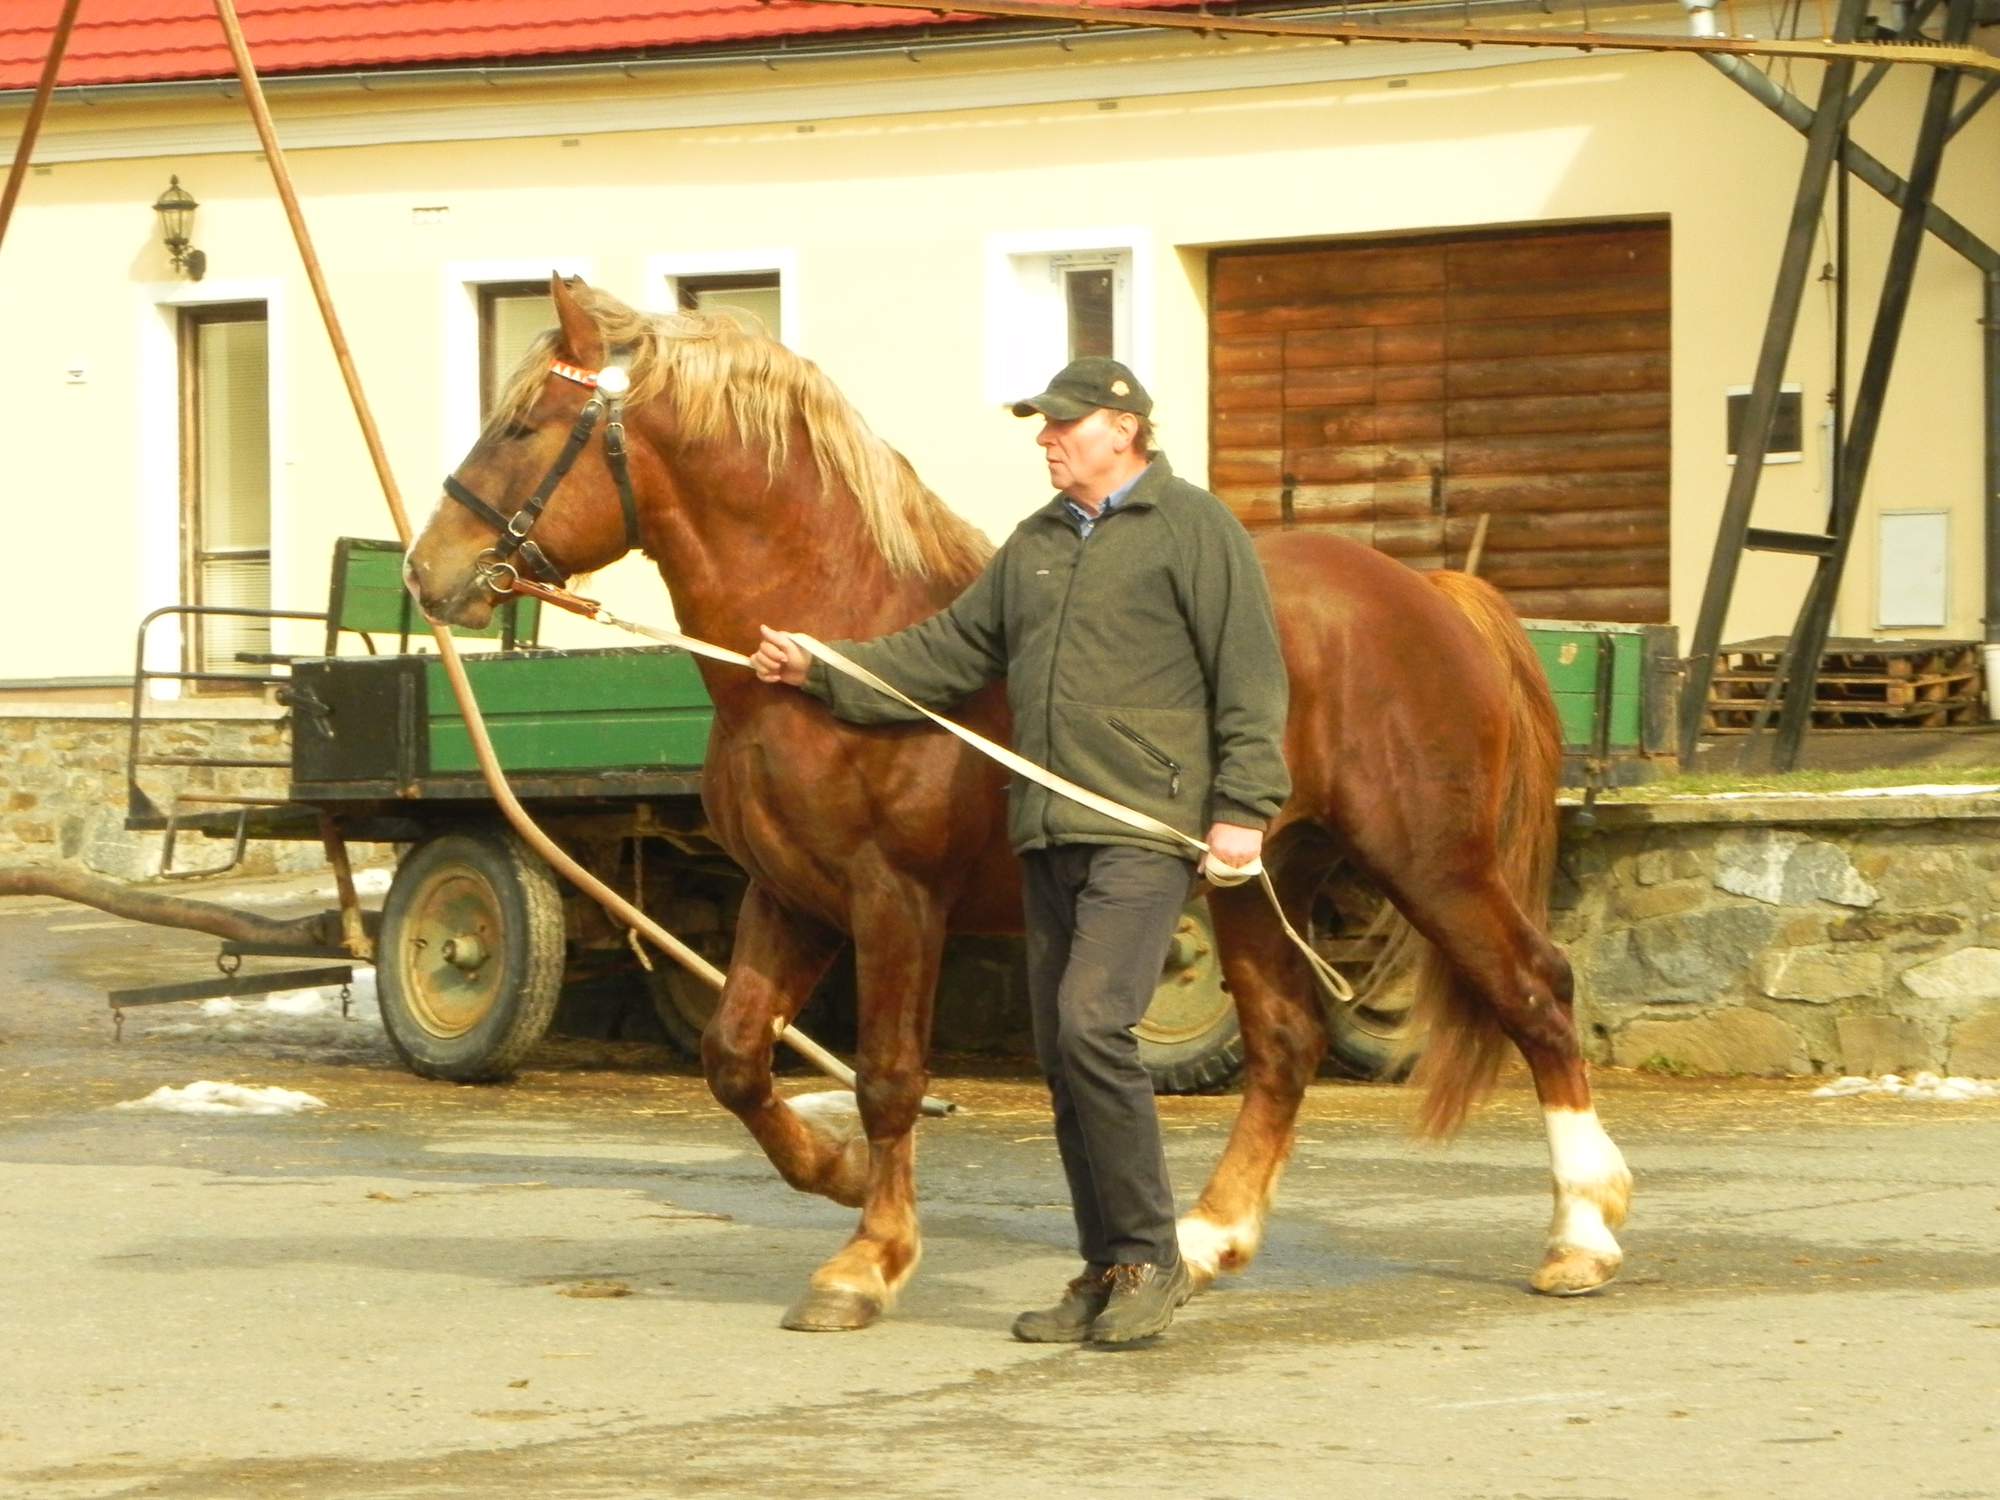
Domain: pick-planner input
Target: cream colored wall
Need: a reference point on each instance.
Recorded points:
(889, 218)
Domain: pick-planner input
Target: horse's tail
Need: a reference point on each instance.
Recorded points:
(1465, 1045)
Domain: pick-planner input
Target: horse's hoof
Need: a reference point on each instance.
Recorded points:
(832, 1310)
(1566, 1272)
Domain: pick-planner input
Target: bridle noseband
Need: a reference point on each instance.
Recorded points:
(495, 570)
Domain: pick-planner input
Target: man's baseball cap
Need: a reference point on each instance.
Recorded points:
(1082, 386)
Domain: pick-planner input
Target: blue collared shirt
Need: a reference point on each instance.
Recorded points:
(1085, 521)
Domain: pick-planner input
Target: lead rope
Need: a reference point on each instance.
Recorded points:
(1216, 872)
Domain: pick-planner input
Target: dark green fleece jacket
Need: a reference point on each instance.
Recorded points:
(1141, 662)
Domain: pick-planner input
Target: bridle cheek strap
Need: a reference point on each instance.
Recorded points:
(531, 555)
(514, 529)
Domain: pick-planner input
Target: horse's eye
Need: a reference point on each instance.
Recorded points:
(518, 432)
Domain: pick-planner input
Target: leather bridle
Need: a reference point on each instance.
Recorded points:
(496, 570)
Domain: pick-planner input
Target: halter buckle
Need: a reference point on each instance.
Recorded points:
(496, 575)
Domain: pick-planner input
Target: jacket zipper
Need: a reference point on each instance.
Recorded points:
(1055, 653)
(1173, 766)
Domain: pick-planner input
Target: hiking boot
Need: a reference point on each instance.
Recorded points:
(1142, 1303)
(1068, 1322)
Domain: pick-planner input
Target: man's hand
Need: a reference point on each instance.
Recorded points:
(780, 659)
(1233, 846)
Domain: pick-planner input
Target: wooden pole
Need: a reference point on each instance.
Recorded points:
(1478, 547)
(51, 65)
(321, 930)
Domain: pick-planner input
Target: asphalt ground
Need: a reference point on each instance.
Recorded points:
(570, 1286)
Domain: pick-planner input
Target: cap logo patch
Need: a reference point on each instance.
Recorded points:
(1120, 388)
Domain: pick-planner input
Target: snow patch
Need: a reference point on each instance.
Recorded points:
(209, 1098)
(289, 1023)
(1922, 1086)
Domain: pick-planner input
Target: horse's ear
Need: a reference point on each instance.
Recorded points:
(581, 340)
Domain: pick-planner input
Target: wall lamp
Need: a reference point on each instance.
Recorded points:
(176, 208)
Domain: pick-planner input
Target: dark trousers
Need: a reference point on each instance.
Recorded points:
(1099, 919)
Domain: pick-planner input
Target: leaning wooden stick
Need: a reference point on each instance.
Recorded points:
(321, 930)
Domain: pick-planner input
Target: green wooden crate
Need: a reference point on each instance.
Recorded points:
(581, 711)
(1568, 650)
(368, 596)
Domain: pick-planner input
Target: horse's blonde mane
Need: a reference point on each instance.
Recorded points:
(721, 378)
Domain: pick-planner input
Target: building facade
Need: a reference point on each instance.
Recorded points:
(1392, 289)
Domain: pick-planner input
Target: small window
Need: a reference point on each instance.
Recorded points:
(1787, 429)
(1091, 295)
(1050, 306)
(226, 481)
(752, 296)
(512, 315)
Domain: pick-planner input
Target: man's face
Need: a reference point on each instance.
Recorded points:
(1084, 453)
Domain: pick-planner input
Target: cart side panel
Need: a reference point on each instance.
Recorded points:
(575, 711)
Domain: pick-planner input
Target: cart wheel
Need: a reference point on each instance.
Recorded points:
(1189, 1039)
(470, 959)
(1353, 927)
(684, 1003)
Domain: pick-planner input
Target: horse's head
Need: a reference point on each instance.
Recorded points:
(546, 491)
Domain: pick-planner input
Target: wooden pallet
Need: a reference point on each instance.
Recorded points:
(1862, 684)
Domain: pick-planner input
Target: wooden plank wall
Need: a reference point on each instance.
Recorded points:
(1396, 391)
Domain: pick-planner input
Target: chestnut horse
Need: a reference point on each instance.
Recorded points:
(1422, 742)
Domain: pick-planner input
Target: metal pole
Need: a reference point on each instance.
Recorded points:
(1991, 332)
(51, 65)
(1796, 113)
(1809, 638)
(489, 764)
(1754, 441)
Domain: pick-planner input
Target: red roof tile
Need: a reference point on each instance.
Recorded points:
(130, 41)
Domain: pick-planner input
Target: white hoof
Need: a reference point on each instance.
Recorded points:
(1212, 1249)
(1593, 1192)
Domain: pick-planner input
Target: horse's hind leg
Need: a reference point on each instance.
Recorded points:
(896, 968)
(1591, 1183)
(778, 958)
(1507, 968)
(1282, 1043)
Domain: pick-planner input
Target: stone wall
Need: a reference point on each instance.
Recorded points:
(1836, 934)
(62, 786)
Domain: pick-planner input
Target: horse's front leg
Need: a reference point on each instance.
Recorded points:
(778, 957)
(899, 933)
(1283, 1039)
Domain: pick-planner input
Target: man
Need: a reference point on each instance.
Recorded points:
(1132, 622)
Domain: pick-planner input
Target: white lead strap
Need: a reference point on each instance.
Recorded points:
(1215, 871)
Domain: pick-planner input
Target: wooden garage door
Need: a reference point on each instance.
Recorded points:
(1397, 391)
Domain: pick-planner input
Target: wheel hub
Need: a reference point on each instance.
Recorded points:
(1191, 996)
(454, 929)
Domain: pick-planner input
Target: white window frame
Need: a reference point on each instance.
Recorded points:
(664, 274)
(156, 527)
(458, 386)
(1020, 354)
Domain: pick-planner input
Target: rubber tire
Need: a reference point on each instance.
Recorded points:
(527, 908)
(1341, 908)
(682, 1002)
(1204, 1053)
